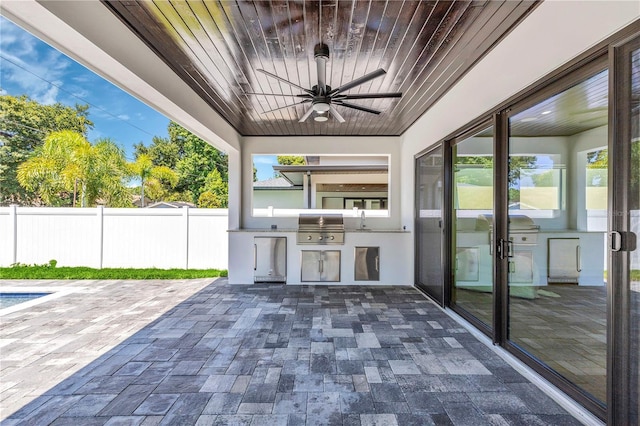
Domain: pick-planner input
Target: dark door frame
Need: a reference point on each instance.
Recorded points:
(621, 241)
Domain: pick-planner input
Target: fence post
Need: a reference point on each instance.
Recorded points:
(13, 222)
(100, 216)
(185, 221)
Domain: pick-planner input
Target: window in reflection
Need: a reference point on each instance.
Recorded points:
(286, 184)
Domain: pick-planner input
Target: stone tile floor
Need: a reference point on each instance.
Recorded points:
(202, 352)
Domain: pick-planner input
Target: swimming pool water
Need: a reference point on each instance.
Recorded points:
(10, 299)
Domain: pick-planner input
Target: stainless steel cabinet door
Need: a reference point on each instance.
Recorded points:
(270, 259)
(367, 264)
(323, 266)
(310, 265)
(564, 260)
(330, 266)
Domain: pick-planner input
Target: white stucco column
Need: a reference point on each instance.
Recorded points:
(235, 189)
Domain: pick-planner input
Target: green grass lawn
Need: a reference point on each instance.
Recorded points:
(47, 272)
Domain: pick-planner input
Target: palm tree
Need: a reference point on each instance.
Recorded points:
(152, 176)
(67, 163)
(109, 173)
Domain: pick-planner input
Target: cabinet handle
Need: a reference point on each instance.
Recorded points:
(320, 265)
(255, 257)
(377, 263)
(578, 259)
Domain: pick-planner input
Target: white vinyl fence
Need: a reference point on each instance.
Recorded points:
(101, 237)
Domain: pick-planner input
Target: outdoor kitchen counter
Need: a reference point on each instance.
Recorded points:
(355, 231)
(395, 259)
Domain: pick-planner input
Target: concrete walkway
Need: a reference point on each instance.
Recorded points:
(202, 352)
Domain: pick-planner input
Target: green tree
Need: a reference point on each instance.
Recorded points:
(190, 157)
(290, 160)
(67, 167)
(162, 151)
(24, 125)
(215, 192)
(152, 177)
(198, 160)
(109, 171)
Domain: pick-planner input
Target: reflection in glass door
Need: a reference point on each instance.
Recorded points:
(473, 184)
(557, 211)
(429, 224)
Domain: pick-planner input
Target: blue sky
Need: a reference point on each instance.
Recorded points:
(31, 67)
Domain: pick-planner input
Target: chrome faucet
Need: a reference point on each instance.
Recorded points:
(362, 220)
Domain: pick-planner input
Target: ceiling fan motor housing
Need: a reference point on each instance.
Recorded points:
(321, 51)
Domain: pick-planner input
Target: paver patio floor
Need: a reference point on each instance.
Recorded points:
(203, 352)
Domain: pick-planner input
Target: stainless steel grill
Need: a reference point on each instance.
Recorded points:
(522, 230)
(320, 229)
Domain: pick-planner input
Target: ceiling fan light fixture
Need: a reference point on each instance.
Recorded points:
(321, 118)
(321, 107)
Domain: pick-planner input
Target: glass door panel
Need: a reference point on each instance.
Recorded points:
(625, 227)
(557, 233)
(473, 184)
(429, 171)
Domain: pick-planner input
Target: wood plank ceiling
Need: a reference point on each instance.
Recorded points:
(217, 46)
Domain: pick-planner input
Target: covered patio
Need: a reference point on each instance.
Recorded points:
(209, 353)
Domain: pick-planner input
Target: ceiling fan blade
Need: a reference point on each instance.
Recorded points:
(306, 115)
(285, 107)
(358, 107)
(284, 81)
(280, 94)
(336, 114)
(358, 81)
(370, 96)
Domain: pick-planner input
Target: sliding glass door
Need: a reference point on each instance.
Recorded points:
(557, 227)
(429, 224)
(543, 209)
(624, 277)
(473, 187)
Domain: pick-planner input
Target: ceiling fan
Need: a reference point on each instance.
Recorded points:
(322, 97)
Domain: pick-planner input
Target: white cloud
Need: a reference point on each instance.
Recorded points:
(49, 97)
(29, 69)
(124, 117)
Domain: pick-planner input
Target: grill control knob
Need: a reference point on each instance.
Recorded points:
(320, 237)
(308, 237)
(332, 237)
